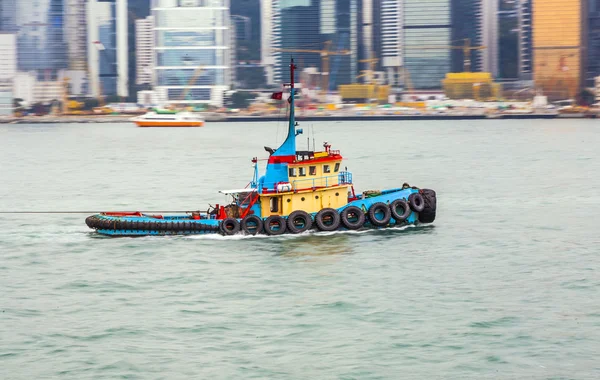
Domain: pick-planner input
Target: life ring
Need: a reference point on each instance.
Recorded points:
(352, 217)
(299, 221)
(275, 225)
(379, 214)
(252, 225)
(403, 206)
(416, 202)
(328, 219)
(230, 226)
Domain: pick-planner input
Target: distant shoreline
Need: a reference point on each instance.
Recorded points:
(127, 119)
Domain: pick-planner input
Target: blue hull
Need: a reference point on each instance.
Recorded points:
(149, 225)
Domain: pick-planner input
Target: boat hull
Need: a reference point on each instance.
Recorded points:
(148, 124)
(137, 224)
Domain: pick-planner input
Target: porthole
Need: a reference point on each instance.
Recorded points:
(337, 194)
(289, 200)
(316, 197)
(302, 199)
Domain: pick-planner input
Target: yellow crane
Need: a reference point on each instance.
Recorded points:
(325, 53)
(466, 48)
(192, 79)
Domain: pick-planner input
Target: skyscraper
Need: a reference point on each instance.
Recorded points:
(107, 47)
(525, 40)
(76, 34)
(593, 42)
(192, 54)
(144, 45)
(427, 32)
(41, 41)
(557, 47)
(296, 25)
(8, 16)
(392, 39)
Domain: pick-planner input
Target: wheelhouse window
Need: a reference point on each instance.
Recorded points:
(337, 167)
(326, 169)
(302, 171)
(292, 172)
(312, 170)
(274, 203)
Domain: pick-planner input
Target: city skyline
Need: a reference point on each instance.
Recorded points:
(109, 48)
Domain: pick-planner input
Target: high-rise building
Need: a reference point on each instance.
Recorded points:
(427, 33)
(593, 42)
(489, 37)
(8, 71)
(76, 34)
(41, 44)
(557, 47)
(144, 50)
(8, 16)
(392, 39)
(108, 51)
(525, 40)
(192, 54)
(477, 21)
(310, 25)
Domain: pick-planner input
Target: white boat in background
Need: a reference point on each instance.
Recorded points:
(167, 118)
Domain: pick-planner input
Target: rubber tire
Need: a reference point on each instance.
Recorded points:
(308, 222)
(267, 225)
(416, 202)
(393, 209)
(322, 226)
(428, 213)
(347, 223)
(235, 226)
(386, 217)
(255, 219)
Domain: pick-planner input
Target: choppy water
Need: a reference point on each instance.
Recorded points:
(504, 286)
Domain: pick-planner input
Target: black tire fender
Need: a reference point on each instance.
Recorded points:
(304, 220)
(400, 216)
(230, 226)
(275, 219)
(328, 213)
(379, 207)
(345, 217)
(416, 202)
(252, 219)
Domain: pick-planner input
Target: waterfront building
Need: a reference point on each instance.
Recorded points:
(8, 71)
(108, 49)
(41, 42)
(392, 40)
(144, 50)
(557, 47)
(525, 40)
(593, 42)
(427, 33)
(192, 55)
(76, 39)
(8, 16)
(489, 36)
(310, 25)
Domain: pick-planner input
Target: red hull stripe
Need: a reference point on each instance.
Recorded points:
(282, 159)
(292, 160)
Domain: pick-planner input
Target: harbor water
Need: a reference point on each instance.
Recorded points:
(504, 284)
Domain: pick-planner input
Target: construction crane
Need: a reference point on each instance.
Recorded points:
(192, 79)
(466, 48)
(325, 53)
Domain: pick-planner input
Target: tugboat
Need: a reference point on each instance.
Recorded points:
(300, 191)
